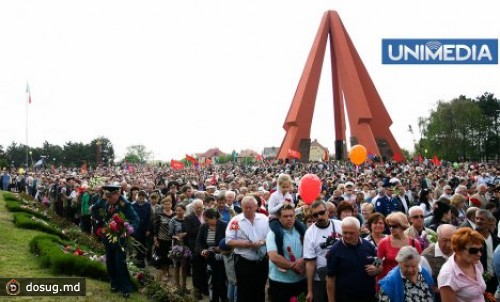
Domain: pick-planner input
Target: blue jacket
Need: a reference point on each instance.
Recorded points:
(144, 213)
(392, 284)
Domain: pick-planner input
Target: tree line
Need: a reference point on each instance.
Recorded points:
(71, 154)
(462, 129)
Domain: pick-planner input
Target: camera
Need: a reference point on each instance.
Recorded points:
(330, 240)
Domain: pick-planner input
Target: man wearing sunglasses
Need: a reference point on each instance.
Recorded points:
(318, 239)
(417, 230)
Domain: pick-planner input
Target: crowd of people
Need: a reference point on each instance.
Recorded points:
(408, 231)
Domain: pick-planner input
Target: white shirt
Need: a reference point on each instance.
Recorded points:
(276, 201)
(240, 228)
(313, 237)
(489, 252)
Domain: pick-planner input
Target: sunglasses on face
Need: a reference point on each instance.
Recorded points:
(417, 216)
(394, 226)
(474, 250)
(320, 213)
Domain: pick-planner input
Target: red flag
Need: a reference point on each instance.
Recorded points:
(259, 157)
(176, 165)
(436, 161)
(326, 157)
(397, 157)
(420, 159)
(294, 153)
(191, 159)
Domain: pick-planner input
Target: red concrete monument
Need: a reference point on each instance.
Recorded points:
(368, 119)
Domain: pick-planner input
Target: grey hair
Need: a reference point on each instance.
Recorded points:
(197, 201)
(413, 209)
(460, 188)
(351, 221)
(229, 192)
(484, 212)
(407, 253)
(445, 227)
(249, 198)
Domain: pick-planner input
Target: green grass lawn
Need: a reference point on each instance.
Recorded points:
(16, 261)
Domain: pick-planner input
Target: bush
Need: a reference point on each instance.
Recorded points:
(51, 256)
(15, 206)
(10, 197)
(25, 221)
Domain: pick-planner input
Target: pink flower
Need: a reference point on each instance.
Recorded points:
(117, 219)
(114, 226)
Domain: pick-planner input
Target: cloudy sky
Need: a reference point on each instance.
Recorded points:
(184, 76)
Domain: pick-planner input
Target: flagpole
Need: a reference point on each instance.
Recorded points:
(27, 146)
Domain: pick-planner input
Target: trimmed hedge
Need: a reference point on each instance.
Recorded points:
(15, 206)
(7, 196)
(51, 256)
(24, 221)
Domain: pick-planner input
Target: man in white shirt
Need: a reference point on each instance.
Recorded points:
(246, 233)
(318, 239)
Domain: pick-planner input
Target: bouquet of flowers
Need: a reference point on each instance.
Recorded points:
(180, 252)
(117, 230)
(426, 239)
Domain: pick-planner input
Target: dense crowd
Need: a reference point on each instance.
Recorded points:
(408, 231)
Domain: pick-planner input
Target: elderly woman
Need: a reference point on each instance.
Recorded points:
(407, 282)
(461, 277)
(389, 246)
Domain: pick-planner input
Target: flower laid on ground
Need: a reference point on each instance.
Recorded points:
(180, 252)
(39, 220)
(118, 230)
(68, 249)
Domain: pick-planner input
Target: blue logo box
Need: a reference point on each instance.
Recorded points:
(439, 51)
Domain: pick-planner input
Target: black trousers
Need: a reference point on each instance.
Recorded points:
(282, 292)
(85, 224)
(217, 281)
(251, 277)
(200, 279)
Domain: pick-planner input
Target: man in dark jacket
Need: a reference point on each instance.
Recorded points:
(143, 209)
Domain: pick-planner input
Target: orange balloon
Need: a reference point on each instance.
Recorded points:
(358, 154)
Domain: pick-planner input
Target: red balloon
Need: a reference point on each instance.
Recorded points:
(309, 188)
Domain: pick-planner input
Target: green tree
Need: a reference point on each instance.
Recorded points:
(490, 107)
(455, 130)
(137, 154)
(101, 151)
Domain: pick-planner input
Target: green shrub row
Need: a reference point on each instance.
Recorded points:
(7, 196)
(15, 206)
(48, 248)
(23, 220)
